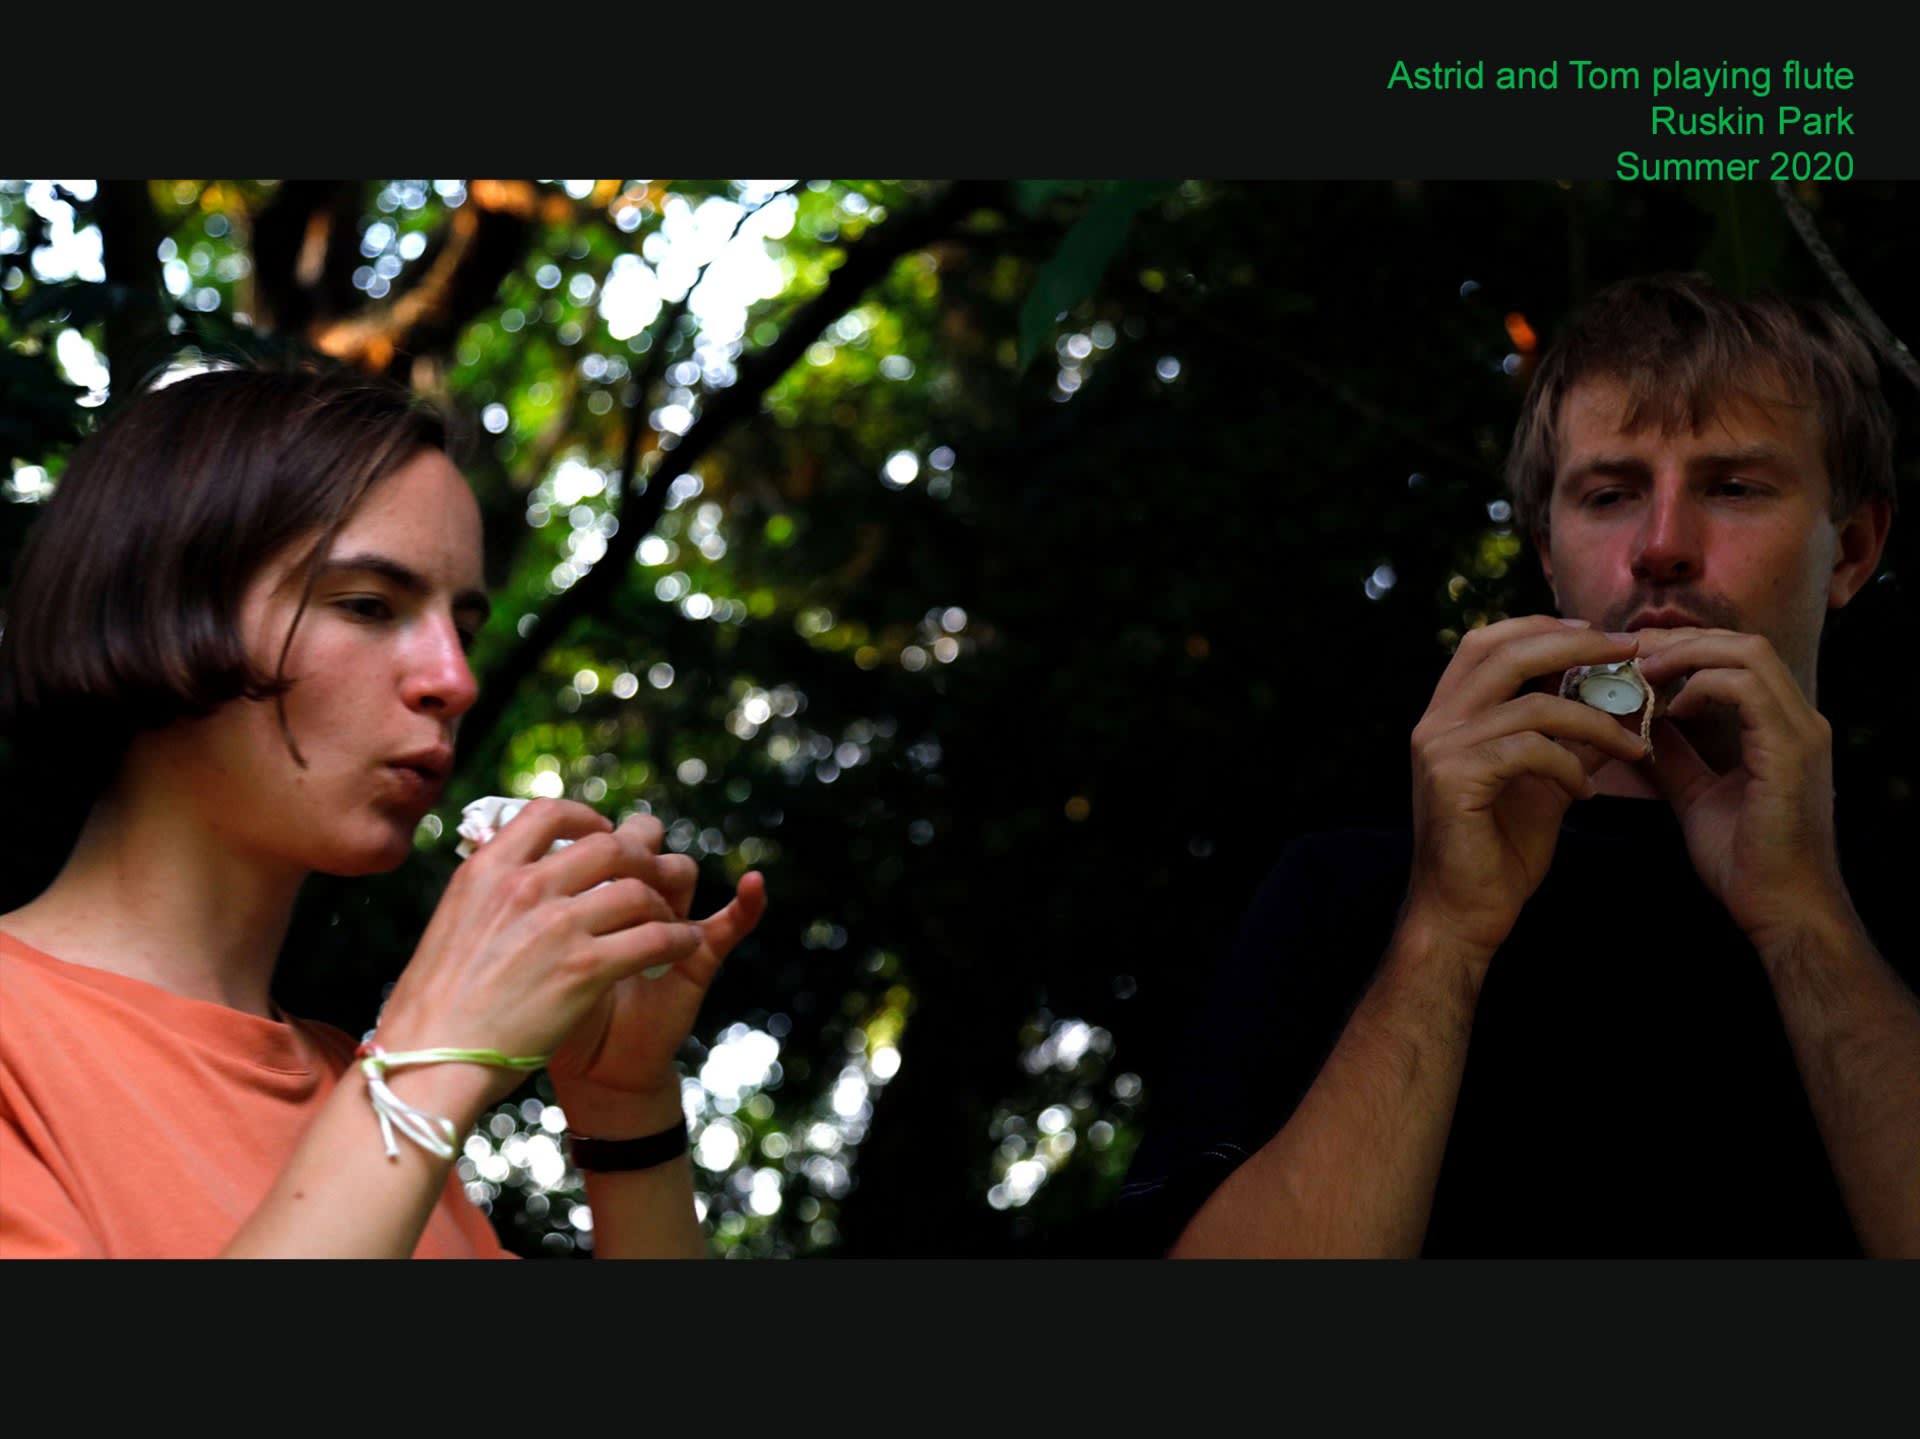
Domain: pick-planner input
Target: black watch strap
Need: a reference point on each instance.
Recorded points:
(610, 1156)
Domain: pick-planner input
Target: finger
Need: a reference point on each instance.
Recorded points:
(592, 860)
(1478, 646)
(1678, 771)
(532, 832)
(1741, 689)
(622, 904)
(1509, 757)
(599, 858)
(1556, 718)
(644, 832)
(647, 947)
(673, 875)
(676, 876)
(1682, 651)
(727, 927)
(1592, 758)
(1505, 672)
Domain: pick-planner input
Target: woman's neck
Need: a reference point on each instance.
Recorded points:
(151, 892)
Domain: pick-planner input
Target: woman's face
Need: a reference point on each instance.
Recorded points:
(380, 680)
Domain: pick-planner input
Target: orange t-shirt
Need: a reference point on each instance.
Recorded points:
(135, 1123)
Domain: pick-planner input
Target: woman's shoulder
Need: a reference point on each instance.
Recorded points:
(29, 977)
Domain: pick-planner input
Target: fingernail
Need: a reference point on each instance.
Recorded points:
(1623, 638)
(1576, 624)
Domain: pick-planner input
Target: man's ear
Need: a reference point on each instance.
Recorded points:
(1862, 539)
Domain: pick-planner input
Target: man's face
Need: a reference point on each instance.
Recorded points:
(1727, 527)
(380, 680)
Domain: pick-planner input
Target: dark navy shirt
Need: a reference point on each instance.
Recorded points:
(1629, 1089)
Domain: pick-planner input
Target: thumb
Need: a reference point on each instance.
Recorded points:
(726, 927)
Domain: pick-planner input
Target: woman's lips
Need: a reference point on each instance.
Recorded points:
(415, 785)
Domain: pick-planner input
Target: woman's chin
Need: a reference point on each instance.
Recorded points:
(381, 848)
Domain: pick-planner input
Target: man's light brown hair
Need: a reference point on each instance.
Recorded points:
(1681, 349)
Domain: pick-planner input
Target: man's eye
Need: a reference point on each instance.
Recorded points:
(468, 639)
(1601, 499)
(1736, 489)
(367, 607)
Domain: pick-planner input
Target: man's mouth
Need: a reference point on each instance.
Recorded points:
(1666, 620)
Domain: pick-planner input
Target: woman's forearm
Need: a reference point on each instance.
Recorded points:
(639, 1213)
(341, 1196)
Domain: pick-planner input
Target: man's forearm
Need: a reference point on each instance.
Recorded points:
(1352, 1172)
(1855, 1032)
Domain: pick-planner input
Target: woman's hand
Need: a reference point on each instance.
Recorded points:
(526, 944)
(618, 1060)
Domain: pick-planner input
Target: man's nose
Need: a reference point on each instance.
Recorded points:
(1668, 549)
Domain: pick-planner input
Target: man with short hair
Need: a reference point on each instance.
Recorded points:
(1606, 998)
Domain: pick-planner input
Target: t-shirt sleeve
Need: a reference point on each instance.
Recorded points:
(38, 1218)
(1305, 952)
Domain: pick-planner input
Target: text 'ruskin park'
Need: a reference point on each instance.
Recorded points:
(1797, 104)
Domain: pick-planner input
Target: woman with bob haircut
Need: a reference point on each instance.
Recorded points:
(247, 608)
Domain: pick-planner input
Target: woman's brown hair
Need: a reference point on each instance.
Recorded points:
(124, 610)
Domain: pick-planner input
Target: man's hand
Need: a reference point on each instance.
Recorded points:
(1761, 835)
(1493, 775)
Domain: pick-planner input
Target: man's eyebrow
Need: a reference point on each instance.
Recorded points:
(1744, 457)
(404, 578)
(1633, 467)
(1620, 466)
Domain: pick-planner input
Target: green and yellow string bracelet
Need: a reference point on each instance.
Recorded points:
(431, 1132)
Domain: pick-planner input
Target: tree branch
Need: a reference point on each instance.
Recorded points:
(135, 336)
(305, 249)
(486, 239)
(864, 265)
(1889, 345)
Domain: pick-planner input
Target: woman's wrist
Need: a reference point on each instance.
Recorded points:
(457, 1092)
(619, 1113)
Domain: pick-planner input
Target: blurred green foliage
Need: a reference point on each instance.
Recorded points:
(1024, 595)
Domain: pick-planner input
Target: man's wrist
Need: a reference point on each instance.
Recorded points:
(1811, 935)
(1425, 944)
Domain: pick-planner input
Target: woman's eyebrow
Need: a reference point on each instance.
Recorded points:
(404, 578)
